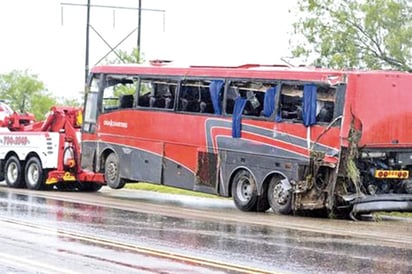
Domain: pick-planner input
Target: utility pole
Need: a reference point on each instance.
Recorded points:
(139, 27)
(87, 43)
(112, 49)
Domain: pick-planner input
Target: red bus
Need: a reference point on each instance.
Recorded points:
(289, 139)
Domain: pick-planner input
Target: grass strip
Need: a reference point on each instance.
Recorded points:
(167, 189)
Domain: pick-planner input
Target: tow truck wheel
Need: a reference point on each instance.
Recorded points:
(34, 174)
(280, 199)
(244, 191)
(112, 172)
(13, 173)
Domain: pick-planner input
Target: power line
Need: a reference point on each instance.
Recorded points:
(89, 6)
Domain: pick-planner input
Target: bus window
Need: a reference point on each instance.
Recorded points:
(195, 96)
(325, 104)
(157, 93)
(118, 93)
(253, 92)
(231, 94)
(291, 102)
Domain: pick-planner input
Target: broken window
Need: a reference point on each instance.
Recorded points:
(291, 102)
(325, 104)
(254, 93)
(195, 96)
(320, 104)
(118, 92)
(157, 93)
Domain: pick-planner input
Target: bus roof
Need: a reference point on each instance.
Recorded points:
(259, 71)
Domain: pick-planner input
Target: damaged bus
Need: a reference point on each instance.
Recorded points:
(289, 139)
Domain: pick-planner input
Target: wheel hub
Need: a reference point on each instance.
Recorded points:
(280, 194)
(245, 189)
(12, 172)
(34, 174)
(112, 171)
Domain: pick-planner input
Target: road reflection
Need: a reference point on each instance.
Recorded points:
(265, 247)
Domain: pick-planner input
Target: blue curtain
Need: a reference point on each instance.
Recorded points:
(237, 117)
(269, 102)
(309, 104)
(215, 90)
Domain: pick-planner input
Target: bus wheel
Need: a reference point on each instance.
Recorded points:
(112, 172)
(13, 174)
(280, 199)
(89, 186)
(244, 191)
(34, 174)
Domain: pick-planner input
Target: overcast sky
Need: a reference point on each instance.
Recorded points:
(48, 38)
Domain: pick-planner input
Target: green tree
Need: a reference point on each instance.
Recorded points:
(374, 34)
(123, 57)
(24, 92)
(70, 102)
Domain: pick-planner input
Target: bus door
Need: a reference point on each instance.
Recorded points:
(89, 140)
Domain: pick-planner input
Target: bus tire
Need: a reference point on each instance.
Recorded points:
(34, 174)
(13, 173)
(244, 191)
(112, 172)
(280, 200)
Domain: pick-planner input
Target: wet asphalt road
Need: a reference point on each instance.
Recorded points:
(234, 238)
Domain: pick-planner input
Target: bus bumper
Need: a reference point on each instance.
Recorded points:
(383, 202)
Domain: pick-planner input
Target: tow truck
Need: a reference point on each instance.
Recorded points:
(45, 154)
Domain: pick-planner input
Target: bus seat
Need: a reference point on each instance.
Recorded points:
(202, 107)
(168, 102)
(230, 104)
(183, 105)
(152, 101)
(326, 112)
(126, 101)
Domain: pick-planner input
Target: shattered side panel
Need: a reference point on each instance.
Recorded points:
(206, 171)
